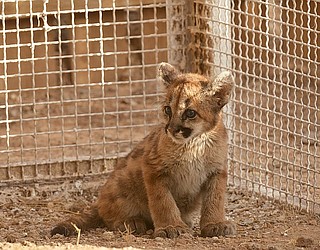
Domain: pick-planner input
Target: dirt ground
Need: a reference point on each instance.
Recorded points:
(28, 215)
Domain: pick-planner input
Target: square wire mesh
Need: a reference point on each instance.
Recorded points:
(77, 82)
(276, 116)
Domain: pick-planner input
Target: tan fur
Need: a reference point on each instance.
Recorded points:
(178, 168)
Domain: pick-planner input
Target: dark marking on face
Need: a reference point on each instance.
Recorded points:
(186, 132)
(166, 128)
(187, 102)
(178, 96)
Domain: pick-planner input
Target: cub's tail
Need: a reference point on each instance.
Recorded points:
(86, 220)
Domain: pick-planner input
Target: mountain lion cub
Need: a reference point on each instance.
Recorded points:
(179, 167)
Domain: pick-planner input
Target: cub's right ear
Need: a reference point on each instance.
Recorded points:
(167, 73)
(220, 89)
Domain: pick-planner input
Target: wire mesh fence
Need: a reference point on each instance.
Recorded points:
(78, 86)
(78, 82)
(276, 104)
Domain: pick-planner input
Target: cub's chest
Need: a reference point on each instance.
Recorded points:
(190, 171)
(189, 176)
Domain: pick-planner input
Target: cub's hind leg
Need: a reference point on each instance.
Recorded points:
(122, 203)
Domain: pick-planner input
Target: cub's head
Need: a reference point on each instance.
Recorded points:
(193, 103)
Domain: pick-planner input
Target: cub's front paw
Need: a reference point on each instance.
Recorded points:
(171, 231)
(219, 229)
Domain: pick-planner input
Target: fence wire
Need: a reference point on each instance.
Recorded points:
(77, 85)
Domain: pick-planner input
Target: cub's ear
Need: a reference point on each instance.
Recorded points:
(167, 73)
(220, 89)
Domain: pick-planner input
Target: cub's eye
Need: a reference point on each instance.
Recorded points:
(190, 114)
(167, 110)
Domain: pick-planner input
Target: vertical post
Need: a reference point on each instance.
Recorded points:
(209, 36)
(177, 29)
(199, 35)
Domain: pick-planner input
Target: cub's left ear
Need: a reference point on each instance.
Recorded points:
(167, 73)
(220, 89)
